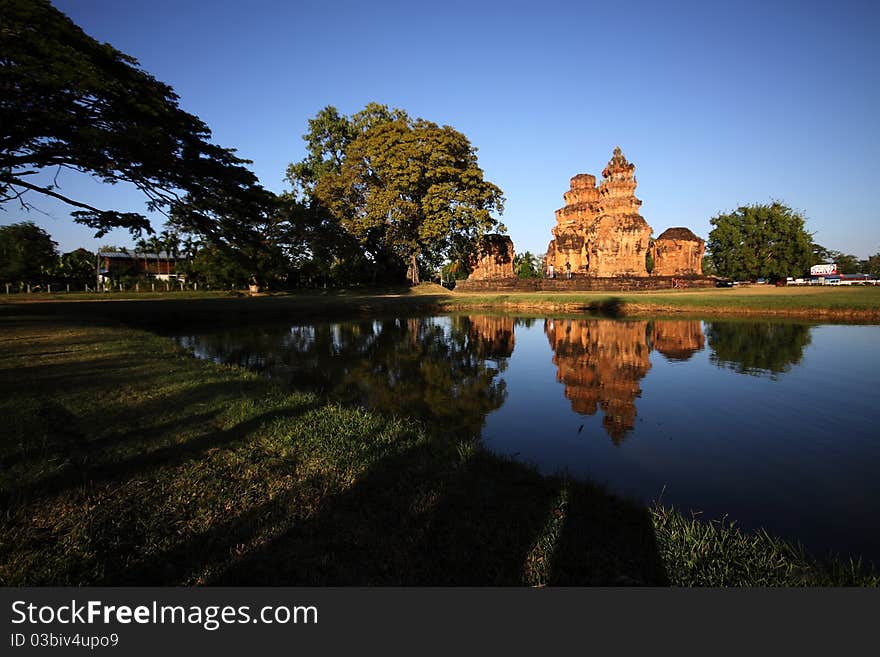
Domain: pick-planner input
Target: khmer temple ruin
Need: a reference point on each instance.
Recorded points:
(678, 252)
(599, 231)
(600, 242)
(493, 258)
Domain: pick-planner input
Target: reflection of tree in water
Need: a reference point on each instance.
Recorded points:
(443, 371)
(757, 348)
(601, 363)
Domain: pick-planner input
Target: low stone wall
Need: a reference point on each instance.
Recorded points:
(583, 284)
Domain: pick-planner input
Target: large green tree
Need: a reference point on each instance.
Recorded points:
(760, 241)
(321, 249)
(77, 267)
(253, 255)
(216, 268)
(27, 253)
(70, 102)
(412, 189)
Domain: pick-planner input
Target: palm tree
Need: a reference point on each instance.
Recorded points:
(191, 247)
(156, 245)
(142, 245)
(171, 241)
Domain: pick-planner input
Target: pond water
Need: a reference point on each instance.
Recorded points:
(772, 424)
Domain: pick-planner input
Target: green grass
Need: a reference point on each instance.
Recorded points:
(717, 553)
(844, 303)
(127, 461)
(167, 311)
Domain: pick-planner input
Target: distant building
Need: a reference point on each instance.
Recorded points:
(825, 269)
(114, 264)
(857, 279)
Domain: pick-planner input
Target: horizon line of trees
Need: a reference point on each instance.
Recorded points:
(29, 256)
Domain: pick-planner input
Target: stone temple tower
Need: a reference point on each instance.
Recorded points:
(600, 232)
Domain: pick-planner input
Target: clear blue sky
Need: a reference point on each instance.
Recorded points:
(717, 104)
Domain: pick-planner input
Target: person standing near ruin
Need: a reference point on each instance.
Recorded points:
(568, 270)
(550, 272)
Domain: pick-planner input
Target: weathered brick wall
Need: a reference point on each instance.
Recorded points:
(584, 284)
(678, 252)
(494, 259)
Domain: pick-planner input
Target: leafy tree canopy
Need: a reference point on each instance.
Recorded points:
(70, 102)
(846, 263)
(27, 252)
(77, 267)
(872, 265)
(329, 135)
(527, 265)
(217, 268)
(405, 189)
(709, 266)
(760, 241)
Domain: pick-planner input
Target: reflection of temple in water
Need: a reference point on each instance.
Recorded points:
(602, 363)
(677, 340)
(492, 336)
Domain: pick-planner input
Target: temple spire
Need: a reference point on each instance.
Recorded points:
(618, 167)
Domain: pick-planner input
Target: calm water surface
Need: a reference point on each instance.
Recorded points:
(771, 424)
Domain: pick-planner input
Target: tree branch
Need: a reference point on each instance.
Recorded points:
(12, 180)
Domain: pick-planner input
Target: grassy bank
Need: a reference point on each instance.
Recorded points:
(126, 461)
(854, 303)
(859, 304)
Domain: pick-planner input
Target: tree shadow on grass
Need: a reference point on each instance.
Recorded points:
(169, 314)
(54, 433)
(481, 521)
(165, 456)
(422, 515)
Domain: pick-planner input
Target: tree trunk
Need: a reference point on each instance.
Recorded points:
(413, 270)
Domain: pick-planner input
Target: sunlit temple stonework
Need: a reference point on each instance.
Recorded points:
(599, 231)
(600, 242)
(678, 252)
(493, 258)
